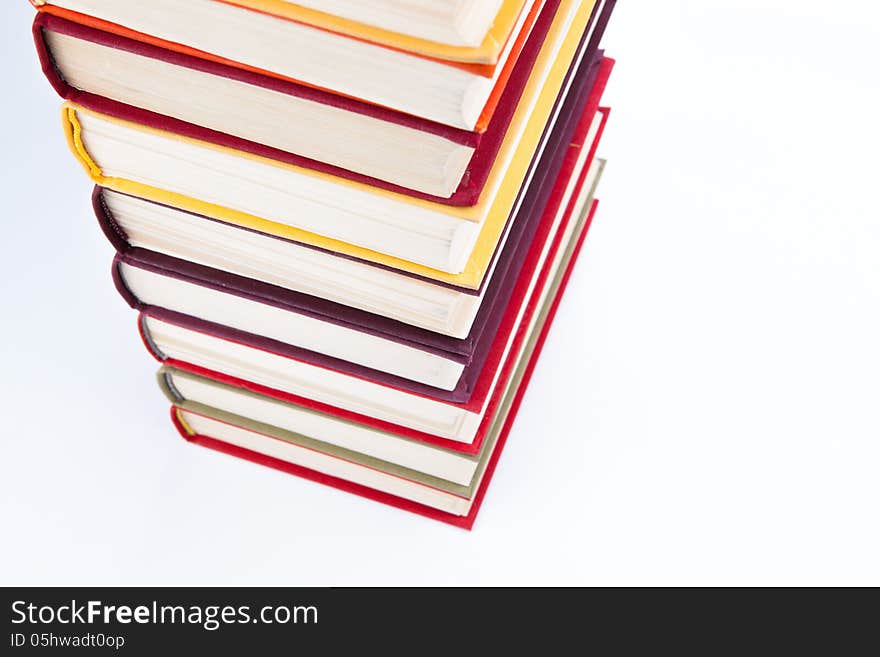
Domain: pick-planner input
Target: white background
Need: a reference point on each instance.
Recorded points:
(707, 409)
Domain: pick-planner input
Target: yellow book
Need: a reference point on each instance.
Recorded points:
(474, 231)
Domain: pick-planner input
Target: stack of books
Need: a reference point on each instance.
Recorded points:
(345, 226)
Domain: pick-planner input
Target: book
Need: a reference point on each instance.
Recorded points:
(112, 74)
(131, 222)
(369, 477)
(396, 230)
(458, 94)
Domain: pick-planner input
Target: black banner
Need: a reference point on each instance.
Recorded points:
(156, 620)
